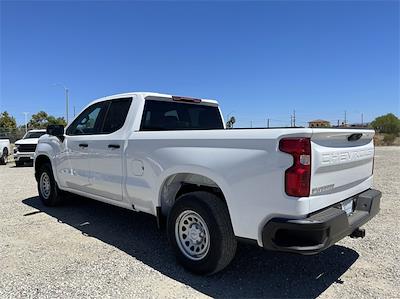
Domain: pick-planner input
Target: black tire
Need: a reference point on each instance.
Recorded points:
(4, 157)
(222, 241)
(19, 163)
(52, 195)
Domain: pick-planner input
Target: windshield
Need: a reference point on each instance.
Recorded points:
(34, 135)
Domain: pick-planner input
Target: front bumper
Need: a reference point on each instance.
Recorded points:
(321, 229)
(25, 157)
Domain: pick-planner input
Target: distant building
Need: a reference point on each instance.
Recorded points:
(319, 123)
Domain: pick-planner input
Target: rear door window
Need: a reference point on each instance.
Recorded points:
(116, 115)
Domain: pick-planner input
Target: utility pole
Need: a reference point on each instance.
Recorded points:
(251, 124)
(267, 122)
(345, 118)
(74, 111)
(338, 122)
(294, 118)
(66, 103)
(66, 100)
(26, 121)
(362, 119)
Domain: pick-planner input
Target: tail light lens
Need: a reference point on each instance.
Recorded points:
(298, 176)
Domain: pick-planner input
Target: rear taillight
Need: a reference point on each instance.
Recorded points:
(298, 176)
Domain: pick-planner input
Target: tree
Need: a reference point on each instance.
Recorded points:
(41, 120)
(7, 122)
(38, 120)
(51, 120)
(388, 124)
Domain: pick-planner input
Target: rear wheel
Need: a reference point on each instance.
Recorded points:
(49, 192)
(200, 231)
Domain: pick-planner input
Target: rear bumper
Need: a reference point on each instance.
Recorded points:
(321, 229)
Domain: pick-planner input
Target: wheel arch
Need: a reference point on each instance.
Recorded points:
(40, 160)
(5, 150)
(179, 183)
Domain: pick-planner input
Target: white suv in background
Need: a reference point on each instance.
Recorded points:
(24, 149)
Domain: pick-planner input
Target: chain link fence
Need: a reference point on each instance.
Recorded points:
(12, 134)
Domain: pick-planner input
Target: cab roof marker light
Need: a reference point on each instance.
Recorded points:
(185, 99)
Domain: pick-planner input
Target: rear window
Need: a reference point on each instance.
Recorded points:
(160, 116)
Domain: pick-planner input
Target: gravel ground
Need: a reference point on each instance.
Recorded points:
(85, 248)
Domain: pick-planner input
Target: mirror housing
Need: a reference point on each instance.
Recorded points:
(56, 130)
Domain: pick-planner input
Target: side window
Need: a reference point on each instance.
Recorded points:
(89, 122)
(116, 115)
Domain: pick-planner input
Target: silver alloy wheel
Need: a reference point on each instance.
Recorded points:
(45, 186)
(192, 235)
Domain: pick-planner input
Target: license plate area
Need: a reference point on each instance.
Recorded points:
(347, 206)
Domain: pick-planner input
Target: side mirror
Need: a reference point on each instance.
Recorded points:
(56, 130)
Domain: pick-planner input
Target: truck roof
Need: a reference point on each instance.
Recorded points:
(145, 94)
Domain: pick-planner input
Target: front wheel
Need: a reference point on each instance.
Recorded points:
(200, 231)
(47, 186)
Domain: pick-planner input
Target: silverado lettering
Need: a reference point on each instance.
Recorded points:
(348, 156)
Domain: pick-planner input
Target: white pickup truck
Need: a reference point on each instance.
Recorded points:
(4, 150)
(287, 189)
(24, 150)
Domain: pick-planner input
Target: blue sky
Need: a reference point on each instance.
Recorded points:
(259, 59)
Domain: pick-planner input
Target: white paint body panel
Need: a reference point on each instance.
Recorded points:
(5, 144)
(246, 164)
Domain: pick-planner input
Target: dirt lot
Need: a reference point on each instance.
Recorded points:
(90, 249)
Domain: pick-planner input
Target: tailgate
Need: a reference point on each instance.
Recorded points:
(342, 163)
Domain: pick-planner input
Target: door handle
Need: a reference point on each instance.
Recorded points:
(114, 146)
(83, 145)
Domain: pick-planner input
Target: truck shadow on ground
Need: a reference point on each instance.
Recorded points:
(253, 273)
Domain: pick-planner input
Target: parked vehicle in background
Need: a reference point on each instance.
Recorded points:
(24, 149)
(4, 150)
(297, 190)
